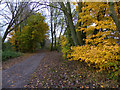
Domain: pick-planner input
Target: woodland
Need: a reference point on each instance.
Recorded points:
(82, 32)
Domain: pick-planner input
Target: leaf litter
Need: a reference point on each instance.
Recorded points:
(55, 72)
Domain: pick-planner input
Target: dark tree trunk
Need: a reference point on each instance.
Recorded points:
(51, 12)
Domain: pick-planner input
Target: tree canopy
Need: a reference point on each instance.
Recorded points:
(30, 35)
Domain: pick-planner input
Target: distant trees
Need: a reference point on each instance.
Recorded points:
(30, 35)
(55, 21)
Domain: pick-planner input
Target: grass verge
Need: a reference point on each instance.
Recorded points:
(7, 54)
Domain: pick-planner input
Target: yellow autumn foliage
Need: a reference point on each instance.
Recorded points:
(100, 49)
(100, 56)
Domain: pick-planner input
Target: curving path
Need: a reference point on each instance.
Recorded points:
(19, 74)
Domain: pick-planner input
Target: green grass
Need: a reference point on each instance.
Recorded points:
(7, 54)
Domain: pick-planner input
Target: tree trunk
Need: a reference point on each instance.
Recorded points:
(16, 42)
(5, 35)
(79, 33)
(6, 31)
(60, 33)
(55, 24)
(70, 21)
(51, 12)
(114, 16)
(55, 34)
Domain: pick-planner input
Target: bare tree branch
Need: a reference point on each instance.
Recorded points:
(17, 10)
(3, 25)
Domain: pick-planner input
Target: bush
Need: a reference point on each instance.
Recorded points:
(7, 46)
(105, 57)
(7, 54)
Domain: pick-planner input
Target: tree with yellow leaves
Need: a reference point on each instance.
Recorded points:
(101, 49)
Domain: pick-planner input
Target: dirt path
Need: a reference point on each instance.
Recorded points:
(18, 75)
(12, 61)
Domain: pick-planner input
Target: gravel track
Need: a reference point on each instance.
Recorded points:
(19, 74)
